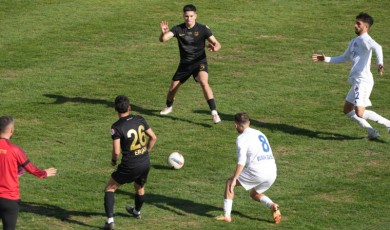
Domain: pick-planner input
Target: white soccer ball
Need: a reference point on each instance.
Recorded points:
(175, 160)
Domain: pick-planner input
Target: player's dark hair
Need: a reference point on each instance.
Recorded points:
(365, 18)
(4, 122)
(189, 7)
(122, 104)
(241, 118)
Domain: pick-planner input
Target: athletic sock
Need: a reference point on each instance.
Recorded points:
(169, 103)
(110, 220)
(109, 200)
(212, 105)
(227, 207)
(266, 201)
(373, 116)
(139, 201)
(361, 121)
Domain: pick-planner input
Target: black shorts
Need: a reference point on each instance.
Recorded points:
(9, 210)
(184, 71)
(125, 175)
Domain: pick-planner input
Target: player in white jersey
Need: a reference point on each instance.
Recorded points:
(255, 170)
(359, 52)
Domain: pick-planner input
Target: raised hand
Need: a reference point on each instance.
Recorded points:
(164, 27)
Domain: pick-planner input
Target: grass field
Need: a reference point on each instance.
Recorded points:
(62, 63)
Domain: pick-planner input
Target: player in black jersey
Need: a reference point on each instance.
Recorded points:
(129, 135)
(191, 37)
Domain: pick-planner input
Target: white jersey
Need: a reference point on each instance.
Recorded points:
(254, 152)
(359, 52)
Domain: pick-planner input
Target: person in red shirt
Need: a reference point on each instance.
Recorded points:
(12, 159)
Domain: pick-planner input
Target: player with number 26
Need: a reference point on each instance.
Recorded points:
(132, 136)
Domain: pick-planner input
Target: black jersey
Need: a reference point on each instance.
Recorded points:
(192, 42)
(131, 132)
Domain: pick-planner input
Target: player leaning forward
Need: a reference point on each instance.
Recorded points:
(191, 37)
(359, 52)
(129, 135)
(255, 170)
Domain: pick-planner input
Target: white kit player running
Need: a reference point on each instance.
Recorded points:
(359, 52)
(255, 171)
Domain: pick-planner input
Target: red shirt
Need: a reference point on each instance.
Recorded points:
(10, 157)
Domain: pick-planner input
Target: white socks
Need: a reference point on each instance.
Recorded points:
(110, 220)
(227, 207)
(362, 122)
(266, 201)
(228, 204)
(373, 116)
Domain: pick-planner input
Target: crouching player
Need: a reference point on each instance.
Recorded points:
(255, 171)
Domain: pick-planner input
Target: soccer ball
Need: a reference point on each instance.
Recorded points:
(175, 160)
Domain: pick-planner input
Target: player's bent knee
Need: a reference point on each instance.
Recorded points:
(359, 114)
(255, 195)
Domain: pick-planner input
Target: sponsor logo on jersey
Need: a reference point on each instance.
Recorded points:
(181, 35)
(264, 157)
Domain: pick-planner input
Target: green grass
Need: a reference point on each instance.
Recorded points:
(63, 62)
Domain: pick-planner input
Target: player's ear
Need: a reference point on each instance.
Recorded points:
(11, 129)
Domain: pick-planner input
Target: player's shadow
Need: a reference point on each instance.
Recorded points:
(293, 130)
(184, 207)
(61, 214)
(59, 99)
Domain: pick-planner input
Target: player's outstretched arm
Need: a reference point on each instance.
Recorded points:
(318, 57)
(165, 33)
(51, 172)
(34, 170)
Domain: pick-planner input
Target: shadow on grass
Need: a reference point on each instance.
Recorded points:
(59, 99)
(162, 167)
(293, 130)
(60, 214)
(184, 207)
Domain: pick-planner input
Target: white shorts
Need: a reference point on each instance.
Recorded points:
(359, 94)
(260, 182)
